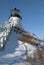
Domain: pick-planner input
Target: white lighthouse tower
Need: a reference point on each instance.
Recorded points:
(15, 18)
(14, 21)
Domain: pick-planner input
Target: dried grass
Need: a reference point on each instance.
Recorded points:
(38, 57)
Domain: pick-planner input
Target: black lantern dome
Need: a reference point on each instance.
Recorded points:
(15, 13)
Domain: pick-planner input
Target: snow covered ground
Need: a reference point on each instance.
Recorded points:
(14, 52)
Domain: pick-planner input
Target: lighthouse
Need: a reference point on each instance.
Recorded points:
(14, 23)
(15, 18)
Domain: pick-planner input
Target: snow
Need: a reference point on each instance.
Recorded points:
(13, 50)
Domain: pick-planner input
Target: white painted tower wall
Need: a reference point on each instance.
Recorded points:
(15, 21)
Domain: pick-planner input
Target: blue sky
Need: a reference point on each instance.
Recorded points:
(32, 12)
